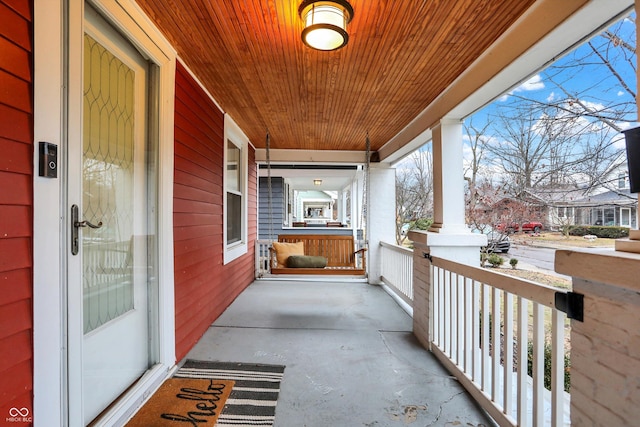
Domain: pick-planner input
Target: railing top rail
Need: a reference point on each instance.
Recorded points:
(397, 248)
(537, 292)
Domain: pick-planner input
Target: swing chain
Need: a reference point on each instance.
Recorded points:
(269, 187)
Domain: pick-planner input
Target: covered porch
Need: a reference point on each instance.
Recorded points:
(350, 355)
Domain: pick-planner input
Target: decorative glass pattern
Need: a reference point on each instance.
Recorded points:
(108, 186)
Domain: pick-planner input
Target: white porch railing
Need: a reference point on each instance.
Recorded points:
(397, 270)
(482, 325)
(262, 257)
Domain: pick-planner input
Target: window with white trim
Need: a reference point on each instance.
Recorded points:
(622, 180)
(235, 192)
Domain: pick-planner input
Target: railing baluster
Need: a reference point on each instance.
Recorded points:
(448, 308)
(442, 303)
(437, 304)
(468, 326)
(453, 316)
(523, 330)
(460, 322)
(496, 344)
(557, 368)
(538, 364)
(508, 353)
(477, 373)
(434, 312)
(486, 366)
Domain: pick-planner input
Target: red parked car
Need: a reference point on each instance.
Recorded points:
(534, 226)
(510, 227)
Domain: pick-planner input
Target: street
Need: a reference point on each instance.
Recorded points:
(540, 258)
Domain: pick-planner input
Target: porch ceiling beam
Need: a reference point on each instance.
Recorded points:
(310, 156)
(548, 30)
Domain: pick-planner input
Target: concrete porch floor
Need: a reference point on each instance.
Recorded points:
(350, 357)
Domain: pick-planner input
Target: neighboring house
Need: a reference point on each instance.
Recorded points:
(609, 208)
(597, 206)
(565, 205)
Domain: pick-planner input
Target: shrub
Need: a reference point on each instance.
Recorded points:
(513, 262)
(421, 224)
(599, 231)
(547, 366)
(495, 260)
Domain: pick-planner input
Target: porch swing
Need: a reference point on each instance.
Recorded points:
(315, 254)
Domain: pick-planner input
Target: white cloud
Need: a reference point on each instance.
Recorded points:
(620, 93)
(534, 83)
(551, 97)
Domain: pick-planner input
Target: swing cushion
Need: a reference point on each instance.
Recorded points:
(306, 261)
(284, 250)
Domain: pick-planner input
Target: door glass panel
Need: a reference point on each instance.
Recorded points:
(109, 173)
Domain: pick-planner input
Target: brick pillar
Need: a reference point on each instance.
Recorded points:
(462, 247)
(421, 294)
(605, 348)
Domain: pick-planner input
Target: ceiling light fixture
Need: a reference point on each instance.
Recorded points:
(317, 182)
(325, 23)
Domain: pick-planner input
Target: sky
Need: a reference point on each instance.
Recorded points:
(592, 83)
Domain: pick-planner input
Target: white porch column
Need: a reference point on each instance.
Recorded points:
(449, 237)
(448, 178)
(381, 214)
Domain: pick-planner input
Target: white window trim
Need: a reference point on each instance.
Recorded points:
(234, 134)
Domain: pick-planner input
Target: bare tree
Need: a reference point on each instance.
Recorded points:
(594, 113)
(527, 146)
(414, 191)
(473, 166)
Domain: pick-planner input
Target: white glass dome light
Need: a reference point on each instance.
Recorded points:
(325, 23)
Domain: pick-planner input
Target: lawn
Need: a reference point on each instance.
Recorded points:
(556, 239)
(538, 277)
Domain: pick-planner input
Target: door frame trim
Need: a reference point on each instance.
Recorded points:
(57, 37)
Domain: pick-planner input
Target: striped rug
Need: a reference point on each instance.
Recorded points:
(252, 402)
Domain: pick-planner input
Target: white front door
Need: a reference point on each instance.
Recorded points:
(111, 269)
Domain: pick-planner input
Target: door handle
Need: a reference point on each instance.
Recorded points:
(86, 223)
(75, 227)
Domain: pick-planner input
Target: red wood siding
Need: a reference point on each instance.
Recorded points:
(204, 287)
(16, 206)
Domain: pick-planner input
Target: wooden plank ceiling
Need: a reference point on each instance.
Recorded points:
(400, 56)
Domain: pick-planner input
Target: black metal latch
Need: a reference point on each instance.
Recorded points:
(571, 303)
